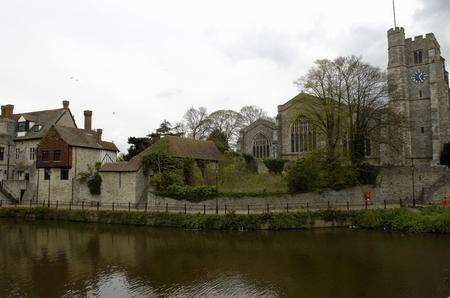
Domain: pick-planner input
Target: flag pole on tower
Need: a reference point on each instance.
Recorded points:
(393, 9)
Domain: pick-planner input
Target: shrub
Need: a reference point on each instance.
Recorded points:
(250, 163)
(188, 193)
(302, 176)
(94, 184)
(274, 165)
(367, 174)
(161, 181)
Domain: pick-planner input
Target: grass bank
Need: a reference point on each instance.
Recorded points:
(426, 220)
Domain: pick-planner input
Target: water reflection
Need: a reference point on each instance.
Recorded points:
(78, 260)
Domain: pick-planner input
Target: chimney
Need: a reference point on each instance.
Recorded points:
(99, 135)
(88, 120)
(7, 111)
(65, 104)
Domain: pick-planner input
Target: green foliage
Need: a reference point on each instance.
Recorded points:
(238, 178)
(137, 145)
(368, 174)
(250, 163)
(316, 172)
(95, 184)
(188, 193)
(275, 165)
(92, 178)
(303, 176)
(220, 139)
(425, 220)
(445, 155)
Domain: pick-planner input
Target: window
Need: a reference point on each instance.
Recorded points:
(23, 126)
(36, 128)
(420, 94)
(418, 57)
(32, 153)
(17, 153)
(64, 174)
(57, 155)
(2, 153)
(303, 136)
(422, 129)
(45, 156)
(261, 146)
(46, 174)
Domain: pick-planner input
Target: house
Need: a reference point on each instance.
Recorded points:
(21, 135)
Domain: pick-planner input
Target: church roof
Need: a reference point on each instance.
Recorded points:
(298, 97)
(262, 121)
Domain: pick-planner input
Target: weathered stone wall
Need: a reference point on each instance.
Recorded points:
(248, 136)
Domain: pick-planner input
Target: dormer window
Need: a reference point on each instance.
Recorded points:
(23, 126)
(418, 57)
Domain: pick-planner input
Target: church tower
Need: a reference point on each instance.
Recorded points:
(419, 91)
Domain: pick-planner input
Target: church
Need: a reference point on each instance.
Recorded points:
(418, 90)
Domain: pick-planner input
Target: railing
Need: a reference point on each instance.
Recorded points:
(7, 193)
(195, 208)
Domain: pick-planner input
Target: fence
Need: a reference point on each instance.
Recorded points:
(193, 208)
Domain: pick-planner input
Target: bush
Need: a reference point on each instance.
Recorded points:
(250, 163)
(303, 176)
(189, 193)
(161, 181)
(368, 174)
(94, 184)
(274, 165)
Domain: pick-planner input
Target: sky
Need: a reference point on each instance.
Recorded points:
(135, 63)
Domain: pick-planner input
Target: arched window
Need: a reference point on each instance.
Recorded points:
(261, 146)
(303, 136)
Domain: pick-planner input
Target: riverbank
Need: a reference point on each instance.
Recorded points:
(423, 220)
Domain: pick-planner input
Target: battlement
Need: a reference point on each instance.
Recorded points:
(396, 30)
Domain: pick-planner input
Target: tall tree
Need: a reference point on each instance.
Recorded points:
(140, 144)
(228, 122)
(250, 114)
(196, 123)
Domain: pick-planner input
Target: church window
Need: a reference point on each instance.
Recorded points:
(422, 129)
(261, 146)
(303, 136)
(418, 57)
(420, 94)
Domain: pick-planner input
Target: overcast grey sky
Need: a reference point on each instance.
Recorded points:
(135, 63)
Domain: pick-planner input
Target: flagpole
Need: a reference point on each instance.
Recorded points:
(393, 9)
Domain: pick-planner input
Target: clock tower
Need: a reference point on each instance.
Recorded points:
(419, 91)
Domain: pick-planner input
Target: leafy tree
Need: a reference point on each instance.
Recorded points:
(228, 123)
(220, 139)
(196, 123)
(140, 144)
(250, 114)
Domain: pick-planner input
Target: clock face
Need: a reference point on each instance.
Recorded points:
(419, 76)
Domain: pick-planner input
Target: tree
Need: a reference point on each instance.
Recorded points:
(220, 139)
(227, 122)
(196, 123)
(140, 144)
(250, 114)
(353, 104)
(325, 112)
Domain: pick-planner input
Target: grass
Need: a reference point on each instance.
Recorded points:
(425, 220)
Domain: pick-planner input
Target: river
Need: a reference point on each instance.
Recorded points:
(49, 259)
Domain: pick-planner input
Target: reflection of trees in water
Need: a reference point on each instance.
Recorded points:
(79, 257)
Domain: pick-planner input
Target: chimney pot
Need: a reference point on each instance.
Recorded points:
(88, 120)
(66, 104)
(99, 135)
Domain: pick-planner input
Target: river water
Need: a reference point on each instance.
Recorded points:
(48, 259)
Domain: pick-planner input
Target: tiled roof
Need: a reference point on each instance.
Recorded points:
(177, 147)
(77, 137)
(45, 118)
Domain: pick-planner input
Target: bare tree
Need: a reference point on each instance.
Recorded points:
(353, 104)
(250, 114)
(196, 123)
